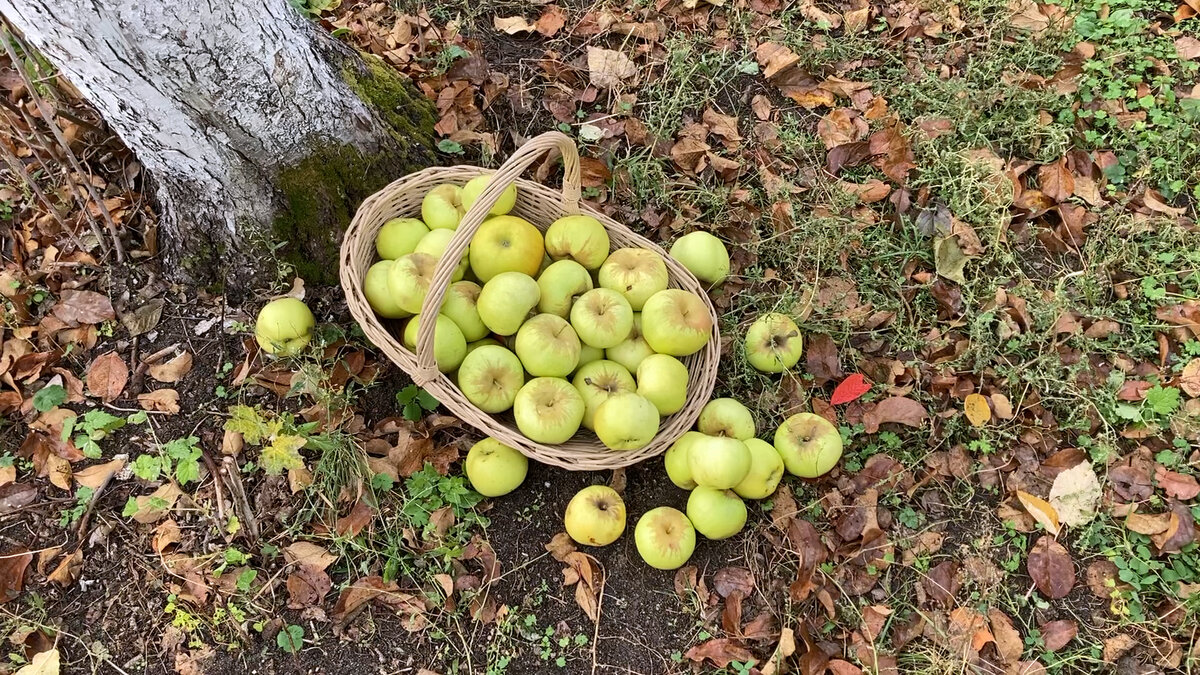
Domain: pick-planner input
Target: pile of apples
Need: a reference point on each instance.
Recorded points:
(559, 329)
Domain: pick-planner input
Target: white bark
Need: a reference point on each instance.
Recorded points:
(212, 97)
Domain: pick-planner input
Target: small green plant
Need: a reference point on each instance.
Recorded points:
(94, 426)
(291, 639)
(315, 8)
(279, 436)
(48, 398)
(414, 402)
(83, 497)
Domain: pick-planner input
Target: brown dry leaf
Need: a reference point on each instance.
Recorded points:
(1102, 579)
(1041, 510)
(1181, 530)
(307, 553)
(728, 580)
(1148, 524)
(609, 69)
(1058, 633)
(147, 513)
(160, 400)
(942, 583)
(166, 534)
(976, 408)
(894, 154)
(8, 474)
(551, 21)
(13, 564)
(98, 475)
(785, 648)
(173, 370)
(1117, 646)
(1176, 485)
(1154, 202)
(895, 409)
(1027, 16)
(354, 522)
(1051, 568)
(106, 377)
(1008, 639)
(512, 25)
(68, 570)
(307, 587)
(1187, 47)
(720, 651)
(1189, 379)
(1056, 181)
(775, 59)
(76, 307)
(299, 478)
(1002, 406)
(560, 545)
(58, 470)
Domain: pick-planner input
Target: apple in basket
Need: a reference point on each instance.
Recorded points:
(442, 207)
(635, 273)
(475, 187)
(561, 284)
(506, 244)
(676, 322)
(399, 236)
(580, 238)
(506, 300)
(490, 377)
(602, 317)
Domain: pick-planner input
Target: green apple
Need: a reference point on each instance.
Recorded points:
(597, 382)
(676, 460)
(626, 422)
(726, 417)
(602, 317)
(449, 345)
(409, 279)
(495, 469)
(485, 342)
(284, 326)
(474, 188)
(490, 377)
(399, 236)
(635, 273)
(663, 380)
(379, 293)
(676, 322)
(506, 244)
(809, 444)
(588, 354)
(718, 461)
(766, 469)
(561, 283)
(595, 516)
(442, 207)
(704, 255)
(506, 300)
(548, 410)
(716, 514)
(459, 304)
(665, 538)
(579, 238)
(773, 343)
(632, 349)
(435, 244)
(548, 346)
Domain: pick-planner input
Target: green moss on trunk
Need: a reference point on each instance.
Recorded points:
(322, 192)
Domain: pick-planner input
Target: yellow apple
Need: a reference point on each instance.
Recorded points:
(495, 469)
(626, 422)
(676, 322)
(602, 317)
(716, 514)
(718, 461)
(704, 255)
(442, 207)
(809, 444)
(506, 244)
(409, 279)
(635, 273)
(284, 326)
(595, 516)
(548, 346)
(475, 187)
(726, 417)
(459, 304)
(449, 345)
(561, 284)
(548, 410)
(676, 460)
(632, 349)
(379, 292)
(663, 380)
(490, 377)
(435, 244)
(580, 238)
(506, 300)
(773, 343)
(597, 382)
(766, 469)
(399, 236)
(664, 538)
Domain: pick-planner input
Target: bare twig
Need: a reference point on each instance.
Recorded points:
(249, 523)
(216, 474)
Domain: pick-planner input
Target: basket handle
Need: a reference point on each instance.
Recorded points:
(508, 172)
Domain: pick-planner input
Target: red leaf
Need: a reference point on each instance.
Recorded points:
(850, 389)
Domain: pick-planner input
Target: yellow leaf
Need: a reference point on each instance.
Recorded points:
(977, 410)
(45, 663)
(1041, 510)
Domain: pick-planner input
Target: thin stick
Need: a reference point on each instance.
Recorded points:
(15, 164)
(216, 474)
(87, 514)
(239, 496)
(48, 118)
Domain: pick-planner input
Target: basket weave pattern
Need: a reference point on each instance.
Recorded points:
(541, 206)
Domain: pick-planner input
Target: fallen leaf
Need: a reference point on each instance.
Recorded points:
(976, 408)
(106, 377)
(785, 648)
(1057, 634)
(894, 155)
(1117, 646)
(1002, 406)
(608, 68)
(1075, 494)
(1187, 47)
(822, 359)
(1189, 378)
(43, 663)
(143, 319)
(1181, 530)
(1102, 579)
(58, 470)
(941, 583)
(12, 572)
(895, 409)
(307, 587)
(98, 475)
(303, 553)
(1051, 568)
(173, 370)
(1176, 485)
(1056, 181)
(849, 389)
(165, 535)
(354, 522)
(720, 651)
(152, 507)
(160, 400)
(1041, 510)
(1008, 640)
(949, 260)
(68, 570)
(728, 580)
(512, 25)
(1148, 524)
(551, 21)
(76, 307)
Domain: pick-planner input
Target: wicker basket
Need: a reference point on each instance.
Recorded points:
(541, 206)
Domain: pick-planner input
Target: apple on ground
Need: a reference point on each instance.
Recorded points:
(449, 345)
(399, 236)
(602, 317)
(495, 469)
(284, 326)
(766, 469)
(442, 207)
(506, 300)
(548, 410)
(773, 343)
(475, 187)
(676, 322)
(580, 238)
(561, 283)
(588, 354)
(409, 280)
(379, 293)
(663, 380)
(718, 461)
(704, 255)
(716, 514)
(435, 244)
(459, 304)
(632, 349)
(490, 377)
(809, 444)
(726, 417)
(635, 273)
(676, 460)
(665, 538)
(626, 422)
(548, 346)
(595, 516)
(506, 244)
(596, 382)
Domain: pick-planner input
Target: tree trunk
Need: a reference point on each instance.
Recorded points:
(255, 126)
